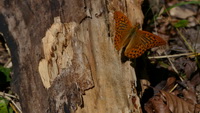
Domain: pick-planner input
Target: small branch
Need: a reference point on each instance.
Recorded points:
(186, 42)
(8, 97)
(15, 105)
(176, 55)
(174, 68)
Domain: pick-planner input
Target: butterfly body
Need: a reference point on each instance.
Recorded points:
(136, 41)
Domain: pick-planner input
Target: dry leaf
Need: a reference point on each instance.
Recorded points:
(165, 102)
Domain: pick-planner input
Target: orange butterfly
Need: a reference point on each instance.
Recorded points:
(136, 41)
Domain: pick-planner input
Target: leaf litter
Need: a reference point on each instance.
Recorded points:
(178, 22)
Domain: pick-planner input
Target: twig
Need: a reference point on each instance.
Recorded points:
(14, 108)
(176, 55)
(172, 65)
(174, 68)
(18, 109)
(8, 97)
(7, 64)
(175, 71)
(173, 88)
(186, 42)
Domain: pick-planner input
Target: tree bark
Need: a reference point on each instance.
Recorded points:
(63, 55)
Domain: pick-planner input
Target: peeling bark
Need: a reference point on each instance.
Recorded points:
(63, 55)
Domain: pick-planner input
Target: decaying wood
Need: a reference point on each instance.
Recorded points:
(63, 55)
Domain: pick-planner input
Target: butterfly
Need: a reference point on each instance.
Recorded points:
(135, 41)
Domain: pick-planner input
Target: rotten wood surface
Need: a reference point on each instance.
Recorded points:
(63, 55)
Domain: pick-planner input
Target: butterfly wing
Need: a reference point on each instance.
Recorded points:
(142, 41)
(122, 29)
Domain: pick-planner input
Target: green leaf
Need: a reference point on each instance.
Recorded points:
(10, 110)
(181, 23)
(5, 74)
(3, 105)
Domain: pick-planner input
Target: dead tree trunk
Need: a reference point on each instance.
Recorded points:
(63, 55)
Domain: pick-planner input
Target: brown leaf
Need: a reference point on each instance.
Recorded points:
(189, 96)
(156, 105)
(190, 67)
(195, 79)
(182, 13)
(197, 108)
(170, 83)
(165, 102)
(176, 104)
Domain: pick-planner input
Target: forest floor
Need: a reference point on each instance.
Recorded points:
(173, 71)
(174, 74)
